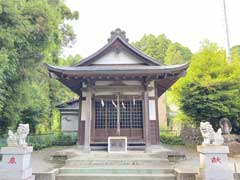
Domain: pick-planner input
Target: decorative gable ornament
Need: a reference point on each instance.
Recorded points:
(118, 32)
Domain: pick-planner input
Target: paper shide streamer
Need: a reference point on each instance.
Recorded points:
(114, 104)
(134, 101)
(123, 105)
(102, 102)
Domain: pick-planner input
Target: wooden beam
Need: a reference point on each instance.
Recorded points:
(79, 120)
(118, 115)
(146, 118)
(132, 88)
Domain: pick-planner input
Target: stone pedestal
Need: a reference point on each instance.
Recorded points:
(214, 163)
(16, 163)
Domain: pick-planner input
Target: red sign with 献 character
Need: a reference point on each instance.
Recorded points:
(216, 160)
(12, 160)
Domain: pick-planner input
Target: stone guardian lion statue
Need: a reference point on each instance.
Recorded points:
(18, 138)
(209, 135)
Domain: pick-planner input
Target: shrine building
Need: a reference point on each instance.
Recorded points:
(118, 88)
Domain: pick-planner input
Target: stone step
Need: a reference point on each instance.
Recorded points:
(129, 154)
(117, 162)
(116, 170)
(164, 176)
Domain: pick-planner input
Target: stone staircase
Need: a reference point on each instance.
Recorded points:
(104, 166)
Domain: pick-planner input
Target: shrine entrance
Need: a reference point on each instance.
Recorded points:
(106, 121)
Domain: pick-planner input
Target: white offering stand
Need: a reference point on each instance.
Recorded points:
(116, 139)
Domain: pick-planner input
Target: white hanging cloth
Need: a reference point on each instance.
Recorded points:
(114, 104)
(134, 101)
(123, 105)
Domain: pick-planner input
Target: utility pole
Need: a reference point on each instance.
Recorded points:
(228, 50)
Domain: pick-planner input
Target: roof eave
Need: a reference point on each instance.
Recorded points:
(56, 69)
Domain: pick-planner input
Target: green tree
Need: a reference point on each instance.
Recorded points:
(155, 47)
(235, 52)
(211, 89)
(177, 54)
(162, 49)
(31, 32)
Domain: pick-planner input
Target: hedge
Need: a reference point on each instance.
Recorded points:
(171, 138)
(47, 140)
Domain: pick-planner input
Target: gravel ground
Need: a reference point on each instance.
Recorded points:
(41, 160)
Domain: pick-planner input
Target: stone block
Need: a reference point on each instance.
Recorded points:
(208, 149)
(28, 178)
(214, 163)
(17, 158)
(16, 150)
(15, 174)
(16, 163)
(185, 174)
(46, 175)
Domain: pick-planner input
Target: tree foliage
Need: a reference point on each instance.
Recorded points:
(235, 53)
(211, 89)
(31, 32)
(163, 49)
(177, 54)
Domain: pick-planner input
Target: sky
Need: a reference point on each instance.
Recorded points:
(188, 22)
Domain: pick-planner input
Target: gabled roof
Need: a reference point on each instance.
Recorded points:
(118, 41)
(67, 104)
(147, 69)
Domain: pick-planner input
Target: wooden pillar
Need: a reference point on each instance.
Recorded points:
(146, 119)
(79, 120)
(87, 133)
(118, 115)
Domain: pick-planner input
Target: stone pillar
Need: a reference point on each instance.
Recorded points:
(87, 133)
(16, 163)
(214, 163)
(146, 119)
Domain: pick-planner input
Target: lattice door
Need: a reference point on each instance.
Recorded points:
(131, 118)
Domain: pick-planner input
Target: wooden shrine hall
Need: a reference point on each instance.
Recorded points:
(118, 88)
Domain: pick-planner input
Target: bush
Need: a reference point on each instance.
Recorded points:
(3, 141)
(65, 140)
(58, 139)
(169, 137)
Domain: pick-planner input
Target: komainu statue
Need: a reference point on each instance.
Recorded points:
(209, 135)
(18, 138)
